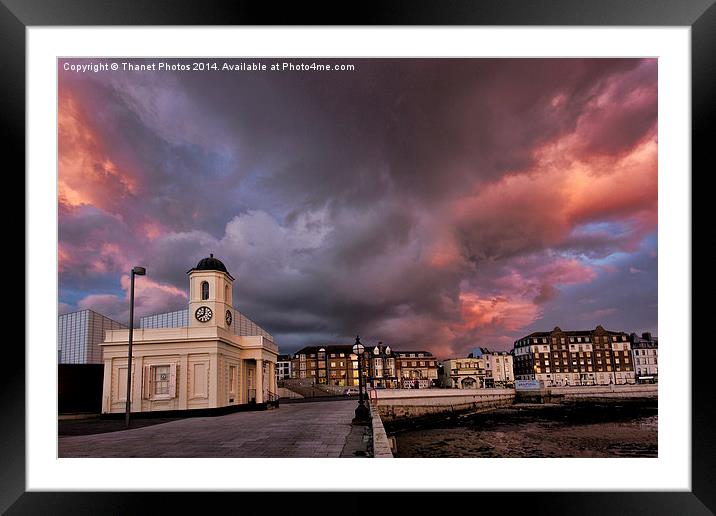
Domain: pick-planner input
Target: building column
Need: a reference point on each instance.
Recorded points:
(272, 377)
(243, 381)
(259, 381)
(137, 383)
(107, 387)
(183, 382)
(213, 380)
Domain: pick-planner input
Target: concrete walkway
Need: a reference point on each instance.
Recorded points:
(292, 430)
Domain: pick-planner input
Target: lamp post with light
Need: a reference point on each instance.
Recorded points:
(362, 412)
(139, 271)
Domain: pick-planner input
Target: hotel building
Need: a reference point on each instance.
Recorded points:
(417, 369)
(208, 359)
(382, 366)
(583, 357)
(327, 365)
(645, 352)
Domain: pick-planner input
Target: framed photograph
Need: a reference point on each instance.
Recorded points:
(462, 186)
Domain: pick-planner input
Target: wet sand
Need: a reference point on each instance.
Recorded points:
(612, 430)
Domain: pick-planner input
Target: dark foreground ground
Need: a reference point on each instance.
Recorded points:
(100, 426)
(584, 430)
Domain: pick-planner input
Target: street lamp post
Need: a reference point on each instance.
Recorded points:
(362, 412)
(139, 271)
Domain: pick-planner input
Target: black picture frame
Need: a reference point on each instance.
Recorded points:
(700, 15)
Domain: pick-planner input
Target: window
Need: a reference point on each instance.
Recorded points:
(159, 381)
(204, 290)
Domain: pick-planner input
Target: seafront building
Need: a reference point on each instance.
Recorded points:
(499, 367)
(327, 365)
(463, 373)
(581, 357)
(283, 367)
(645, 353)
(382, 371)
(208, 359)
(417, 369)
(79, 335)
(382, 366)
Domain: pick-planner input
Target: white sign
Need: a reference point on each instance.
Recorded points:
(528, 384)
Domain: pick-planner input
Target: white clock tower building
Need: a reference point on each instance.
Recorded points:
(204, 364)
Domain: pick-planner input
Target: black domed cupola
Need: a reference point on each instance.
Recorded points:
(210, 264)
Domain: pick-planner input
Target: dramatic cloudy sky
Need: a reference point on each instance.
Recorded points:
(435, 204)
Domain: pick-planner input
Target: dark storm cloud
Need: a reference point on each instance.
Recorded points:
(433, 203)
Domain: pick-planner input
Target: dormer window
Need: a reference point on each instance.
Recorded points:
(204, 290)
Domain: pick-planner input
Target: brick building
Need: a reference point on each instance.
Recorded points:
(327, 365)
(382, 366)
(417, 369)
(582, 357)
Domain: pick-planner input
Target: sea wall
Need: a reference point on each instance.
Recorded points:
(588, 393)
(400, 404)
(381, 443)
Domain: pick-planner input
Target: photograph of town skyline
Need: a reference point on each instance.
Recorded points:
(364, 257)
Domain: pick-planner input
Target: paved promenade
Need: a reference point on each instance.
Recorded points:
(293, 430)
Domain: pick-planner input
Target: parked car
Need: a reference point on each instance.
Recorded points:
(350, 391)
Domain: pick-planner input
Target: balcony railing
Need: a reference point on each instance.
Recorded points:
(269, 344)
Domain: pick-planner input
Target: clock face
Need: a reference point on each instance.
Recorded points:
(203, 314)
(228, 317)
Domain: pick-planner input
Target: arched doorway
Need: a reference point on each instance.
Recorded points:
(469, 383)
